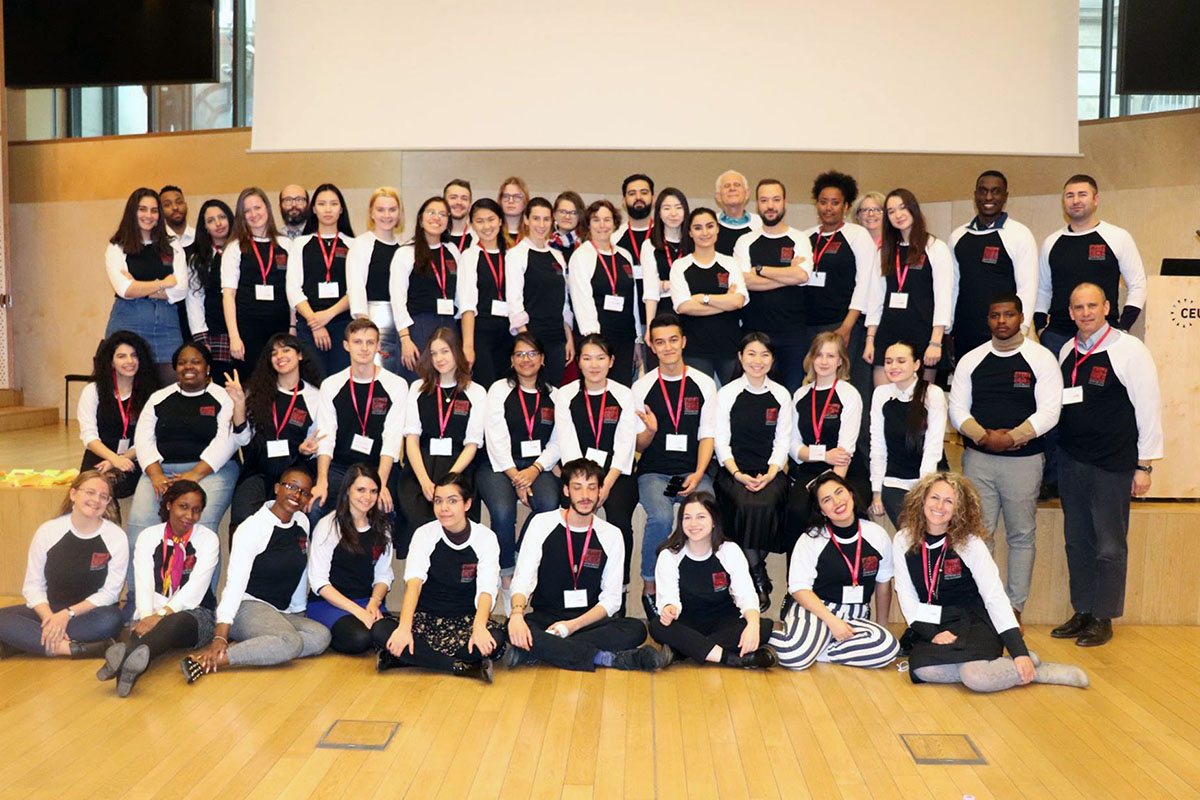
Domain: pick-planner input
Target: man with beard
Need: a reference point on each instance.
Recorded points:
(570, 569)
(293, 210)
(732, 194)
(174, 210)
(638, 195)
(775, 262)
(457, 194)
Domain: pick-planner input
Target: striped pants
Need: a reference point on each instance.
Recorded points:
(805, 639)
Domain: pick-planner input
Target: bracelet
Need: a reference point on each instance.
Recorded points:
(222, 638)
(405, 336)
(935, 344)
(519, 609)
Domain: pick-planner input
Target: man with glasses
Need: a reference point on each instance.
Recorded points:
(732, 195)
(457, 194)
(293, 210)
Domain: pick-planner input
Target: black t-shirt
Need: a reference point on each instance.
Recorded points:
(189, 564)
(664, 258)
(353, 574)
(1002, 397)
(457, 405)
(439, 280)
(149, 264)
(1073, 260)
(717, 335)
(903, 462)
(374, 406)
(833, 572)
(1102, 430)
(915, 322)
(606, 422)
(753, 419)
(545, 295)
(615, 324)
(830, 423)
(450, 587)
(293, 428)
(185, 425)
(554, 573)
(656, 459)
(779, 312)
(540, 408)
(704, 590)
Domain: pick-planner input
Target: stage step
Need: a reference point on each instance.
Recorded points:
(17, 418)
(11, 397)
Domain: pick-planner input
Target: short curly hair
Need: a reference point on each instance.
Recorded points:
(967, 520)
(836, 180)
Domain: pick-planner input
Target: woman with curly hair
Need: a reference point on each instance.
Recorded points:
(959, 619)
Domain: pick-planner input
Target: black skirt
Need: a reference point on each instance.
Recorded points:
(753, 519)
(976, 640)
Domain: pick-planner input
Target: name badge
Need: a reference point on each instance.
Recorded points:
(362, 444)
(1072, 394)
(677, 442)
(575, 598)
(599, 456)
(123, 447)
(499, 308)
(929, 613)
(531, 448)
(328, 290)
(853, 595)
(441, 447)
(264, 292)
(445, 307)
(816, 452)
(817, 279)
(278, 448)
(898, 300)
(614, 302)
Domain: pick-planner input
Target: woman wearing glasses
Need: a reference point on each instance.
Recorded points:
(536, 288)
(600, 276)
(869, 214)
(512, 197)
(568, 233)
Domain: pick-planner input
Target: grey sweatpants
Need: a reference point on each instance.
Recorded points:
(263, 635)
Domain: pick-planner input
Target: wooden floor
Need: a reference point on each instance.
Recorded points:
(688, 732)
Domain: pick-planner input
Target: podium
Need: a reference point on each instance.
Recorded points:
(1173, 336)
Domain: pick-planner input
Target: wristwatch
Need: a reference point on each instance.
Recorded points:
(162, 612)
(706, 299)
(758, 270)
(1146, 469)
(70, 612)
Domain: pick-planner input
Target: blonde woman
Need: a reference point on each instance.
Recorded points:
(368, 270)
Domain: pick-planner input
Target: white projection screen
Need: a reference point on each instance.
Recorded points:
(938, 76)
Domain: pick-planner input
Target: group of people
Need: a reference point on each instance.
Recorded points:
(379, 393)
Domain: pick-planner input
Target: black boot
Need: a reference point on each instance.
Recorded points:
(132, 668)
(1096, 633)
(385, 661)
(91, 649)
(1072, 627)
(648, 605)
(762, 658)
(474, 669)
(762, 584)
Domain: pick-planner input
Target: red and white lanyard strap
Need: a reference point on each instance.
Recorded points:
(900, 276)
(444, 420)
(931, 581)
(497, 275)
(818, 423)
(295, 395)
(596, 429)
(637, 248)
(362, 418)
(442, 276)
(126, 410)
(577, 567)
(856, 566)
(819, 254)
(265, 269)
(1079, 361)
(530, 419)
(327, 256)
(676, 415)
(611, 275)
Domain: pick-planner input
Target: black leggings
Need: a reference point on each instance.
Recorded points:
(173, 632)
(425, 656)
(618, 510)
(578, 651)
(695, 638)
(351, 637)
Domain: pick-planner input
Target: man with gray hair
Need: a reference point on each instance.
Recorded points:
(732, 195)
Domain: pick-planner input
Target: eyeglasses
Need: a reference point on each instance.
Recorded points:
(294, 489)
(103, 497)
(511, 197)
(566, 213)
(526, 354)
(292, 201)
(431, 214)
(870, 212)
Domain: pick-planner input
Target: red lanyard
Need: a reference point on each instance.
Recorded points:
(126, 413)
(670, 258)
(857, 554)
(362, 418)
(1092, 349)
(264, 268)
(931, 582)
(441, 279)
(462, 240)
(497, 275)
(288, 415)
(443, 421)
(530, 421)
(819, 422)
(576, 569)
(900, 276)
(587, 402)
(817, 255)
(676, 417)
(328, 256)
(637, 248)
(612, 276)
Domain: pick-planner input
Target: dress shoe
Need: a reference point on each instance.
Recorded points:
(385, 661)
(1072, 627)
(481, 670)
(644, 659)
(132, 668)
(762, 658)
(1096, 633)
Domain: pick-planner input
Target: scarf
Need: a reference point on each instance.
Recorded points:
(564, 240)
(172, 571)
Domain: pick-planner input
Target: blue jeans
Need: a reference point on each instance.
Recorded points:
(156, 321)
(497, 493)
(660, 515)
(144, 512)
(21, 627)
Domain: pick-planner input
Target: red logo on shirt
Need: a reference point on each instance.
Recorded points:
(298, 418)
(870, 565)
(548, 415)
(380, 405)
(1097, 252)
(772, 416)
(168, 258)
(281, 259)
(691, 405)
(1099, 376)
(208, 411)
(720, 581)
(835, 410)
(919, 263)
(468, 572)
(189, 564)
(377, 552)
(952, 568)
(462, 408)
(722, 280)
(1022, 380)
(991, 255)
(302, 542)
(100, 560)
(340, 251)
(787, 254)
(611, 415)
(832, 247)
(592, 557)
(625, 265)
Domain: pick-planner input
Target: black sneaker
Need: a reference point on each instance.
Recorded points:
(192, 671)
(644, 659)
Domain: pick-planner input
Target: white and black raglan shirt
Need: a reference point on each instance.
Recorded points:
(989, 261)
(754, 426)
(152, 558)
(453, 576)
(543, 574)
(928, 282)
(520, 427)
(354, 574)
(204, 303)
(819, 565)
(65, 567)
(608, 435)
(729, 232)
(268, 562)
(415, 293)
(1119, 420)
(148, 264)
(105, 422)
(894, 463)
(632, 241)
(693, 400)
(317, 270)
(592, 282)
(375, 412)
(849, 258)
(464, 412)
(836, 410)
(243, 273)
(293, 419)
(656, 270)
(716, 335)
(178, 427)
(705, 588)
(1104, 255)
(1006, 391)
(369, 272)
(483, 288)
(778, 312)
(536, 287)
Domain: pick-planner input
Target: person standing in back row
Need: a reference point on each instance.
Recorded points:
(732, 194)
(253, 279)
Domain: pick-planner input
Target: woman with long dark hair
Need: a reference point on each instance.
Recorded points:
(316, 278)
(485, 302)
(205, 302)
(424, 284)
(123, 378)
(707, 606)
(148, 273)
(536, 288)
(369, 270)
(668, 242)
(350, 563)
(254, 278)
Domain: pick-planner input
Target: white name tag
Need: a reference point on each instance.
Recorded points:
(531, 448)
(441, 447)
(816, 452)
(677, 442)
(898, 300)
(122, 447)
(278, 448)
(362, 444)
(817, 279)
(852, 595)
(445, 307)
(929, 613)
(265, 292)
(599, 456)
(499, 308)
(575, 598)
(1072, 394)
(328, 290)
(614, 302)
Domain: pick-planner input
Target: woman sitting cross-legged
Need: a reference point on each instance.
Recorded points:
(836, 568)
